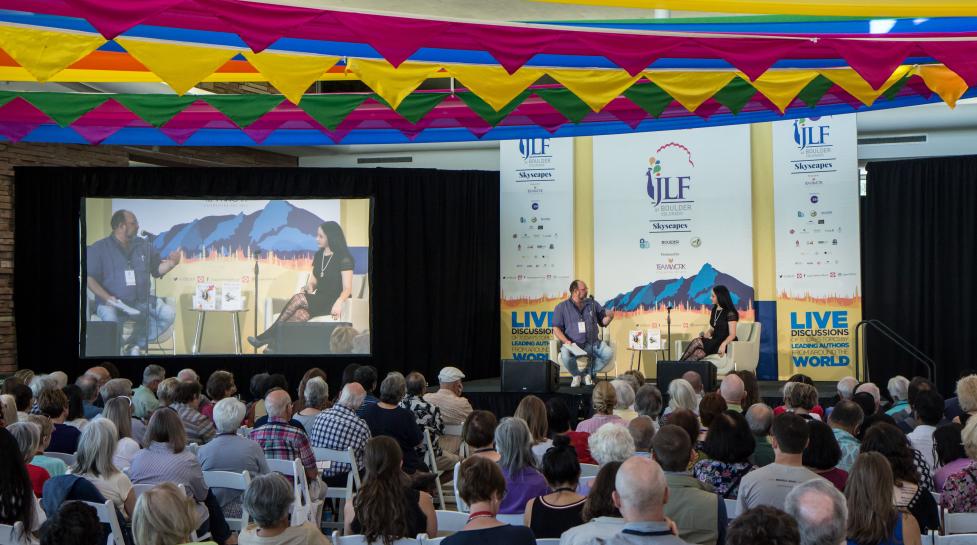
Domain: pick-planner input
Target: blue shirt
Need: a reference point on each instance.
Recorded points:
(567, 316)
(90, 410)
(108, 262)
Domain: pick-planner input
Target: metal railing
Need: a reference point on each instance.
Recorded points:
(898, 340)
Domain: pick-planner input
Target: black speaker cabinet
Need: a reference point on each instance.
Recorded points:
(101, 339)
(530, 376)
(671, 370)
(305, 337)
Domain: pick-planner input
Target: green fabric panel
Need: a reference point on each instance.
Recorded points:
(416, 105)
(566, 103)
(892, 91)
(331, 110)
(488, 113)
(735, 95)
(243, 110)
(65, 108)
(7, 96)
(650, 97)
(812, 94)
(155, 109)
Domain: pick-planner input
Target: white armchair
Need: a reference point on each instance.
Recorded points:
(742, 354)
(356, 309)
(556, 345)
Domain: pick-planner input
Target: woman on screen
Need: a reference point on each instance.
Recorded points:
(330, 283)
(722, 327)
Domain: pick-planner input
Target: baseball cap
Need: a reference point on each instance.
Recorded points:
(450, 374)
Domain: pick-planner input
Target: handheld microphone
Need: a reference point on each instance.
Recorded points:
(148, 235)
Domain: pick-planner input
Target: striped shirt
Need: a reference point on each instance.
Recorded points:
(157, 464)
(200, 429)
(282, 441)
(339, 428)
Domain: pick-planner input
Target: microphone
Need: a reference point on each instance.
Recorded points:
(148, 235)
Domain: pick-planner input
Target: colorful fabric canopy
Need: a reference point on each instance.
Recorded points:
(863, 8)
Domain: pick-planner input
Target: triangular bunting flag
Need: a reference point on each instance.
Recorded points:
(734, 96)
(812, 93)
(243, 110)
(487, 112)
(291, 74)
(65, 108)
(944, 82)
(493, 84)
(781, 87)
(894, 89)
(179, 66)
(959, 56)
(691, 89)
(156, 110)
(21, 118)
(856, 86)
(261, 24)
(331, 110)
(111, 17)
(7, 96)
(393, 84)
(397, 38)
(44, 53)
(565, 102)
(873, 60)
(650, 97)
(92, 126)
(633, 53)
(752, 56)
(594, 87)
(512, 47)
(417, 105)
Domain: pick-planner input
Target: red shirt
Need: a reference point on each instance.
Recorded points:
(38, 476)
(579, 441)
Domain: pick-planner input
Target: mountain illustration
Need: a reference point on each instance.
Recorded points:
(279, 228)
(688, 292)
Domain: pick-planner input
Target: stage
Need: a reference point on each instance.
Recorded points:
(486, 394)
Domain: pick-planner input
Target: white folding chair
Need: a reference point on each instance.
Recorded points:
(14, 534)
(451, 521)
(231, 481)
(358, 539)
(514, 519)
(458, 501)
(339, 496)
(732, 511)
(956, 539)
(432, 464)
(68, 459)
(589, 470)
(107, 515)
(304, 503)
(959, 523)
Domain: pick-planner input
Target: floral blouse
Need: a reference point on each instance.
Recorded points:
(724, 477)
(960, 491)
(427, 416)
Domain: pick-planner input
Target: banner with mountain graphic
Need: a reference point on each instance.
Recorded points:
(816, 192)
(672, 219)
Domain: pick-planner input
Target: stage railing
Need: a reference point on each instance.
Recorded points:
(898, 340)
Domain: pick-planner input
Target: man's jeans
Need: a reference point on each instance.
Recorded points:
(599, 354)
(144, 330)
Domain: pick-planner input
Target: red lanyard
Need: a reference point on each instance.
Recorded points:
(480, 514)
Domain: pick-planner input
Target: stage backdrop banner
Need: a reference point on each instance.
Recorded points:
(672, 219)
(536, 230)
(816, 195)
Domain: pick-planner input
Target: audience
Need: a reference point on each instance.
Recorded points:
(478, 432)
(763, 525)
(960, 488)
(953, 410)
(680, 396)
(387, 417)
(759, 417)
(454, 408)
(751, 388)
(74, 524)
(428, 417)
(648, 401)
(697, 510)
(523, 480)
(913, 491)
(386, 508)
(338, 428)
(186, 401)
(94, 463)
(282, 441)
(119, 412)
(951, 457)
(695, 380)
(229, 451)
(624, 393)
(821, 512)
(144, 400)
(552, 514)
(611, 443)
(845, 420)
(898, 387)
(770, 485)
(874, 517)
(8, 409)
(24, 398)
(17, 500)
(164, 516)
(801, 400)
(54, 405)
(76, 409)
(640, 493)
(927, 409)
(89, 386)
(28, 437)
(733, 391)
(642, 430)
(603, 400)
(689, 422)
(873, 390)
(728, 445)
(300, 403)
(558, 423)
(533, 411)
(54, 466)
(267, 501)
(166, 390)
(711, 406)
(600, 515)
(822, 454)
(482, 486)
(220, 385)
(366, 376)
(966, 396)
(314, 399)
(788, 386)
(906, 420)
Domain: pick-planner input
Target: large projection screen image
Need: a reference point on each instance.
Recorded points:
(174, 277)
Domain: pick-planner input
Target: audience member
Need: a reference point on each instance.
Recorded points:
(770, 485)
(188, 375)
(300, 404)
(54, 405)
(874, 517)
(28, 437)
(256, 408)
(689, 422)
(865, 402)
(788, 386)
(603, 400)
(637, 375)
(927, 409)
(952, 404)
(624, 393)
(54, 466)
(696, 509)
(94, 463)
(220, 385)
(116, 387)
(17, 500)
(967, 397)
(600, 515)
(533, 411)
(680, 396)
(552, 514)
(186, 401)
(640, 493)
(872, 389)
(648, 402)
(695, 380)
(386, 508)
(478, 432)
(281, 441)
(268, 500)
(166, 390)
(119, 412)
(906, 420)
(257, 412)
(24, 398)
(315, 398)
(89, 386)
(846, 388)
(76, 410)
(898, 387)
(951, 457)
(366, 376)
(454, 408)
(388, 418)
(763, 525)
(642, 430)
(751, 388)
(732, 391)
(960, 489)
(481, 485)
(801, 400)
(428, 417)
(38, 385)
(822, 454)
(164, 516)
(558, 423)
(728, 447)
(711, 406)
(74, 524)
(611, 443)
(338, 428)
(913, 490)
(523, 480)
(759, 417)
(8, 409)
(230, 451)
(144, 399)
(821, 512)
(845, 419)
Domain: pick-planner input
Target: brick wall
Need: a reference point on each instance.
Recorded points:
(12, 155)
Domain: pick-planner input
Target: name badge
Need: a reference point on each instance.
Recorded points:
(131, 278)
(581, 327)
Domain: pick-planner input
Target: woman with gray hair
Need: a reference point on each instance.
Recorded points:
(388, 418)
(28, 436)
(119, 411)
(624, 392)
(94, 462)
(267, 500)
(231, 452)
(681, 395)
(523, 481)
(611, 443)
(316, 398)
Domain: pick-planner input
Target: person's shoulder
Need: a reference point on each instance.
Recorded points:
(517, 534)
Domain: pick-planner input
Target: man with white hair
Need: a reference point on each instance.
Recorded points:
(454, 408)
(611, 443)
(732, 390)
(188, 375)
(898, 387)
(338, 428)
(846, 387)
(230, 451)
(760, 417)
(640, 493)
(88, 385)
(144, 400)
(821, 512)
(281, 440)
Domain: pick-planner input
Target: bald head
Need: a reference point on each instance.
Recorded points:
(100, 374)
(278, 403)
(642, 431)
(187, 375)
(640, 490)
(352, 396)
(820, 510)
(732, 389)
(695, 380)
(759, 417)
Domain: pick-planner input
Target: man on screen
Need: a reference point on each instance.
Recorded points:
(119, 266)
(576, 322)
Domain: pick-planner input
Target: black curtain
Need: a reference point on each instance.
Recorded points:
(434, 264)
(919, 257)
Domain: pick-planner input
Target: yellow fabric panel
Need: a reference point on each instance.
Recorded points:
(291, 74)
(850, 81)
(492, 83)
(179, 66)
(393, 84)
(690, 89)
(782, 88)
(595, 87)
(45, 53)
